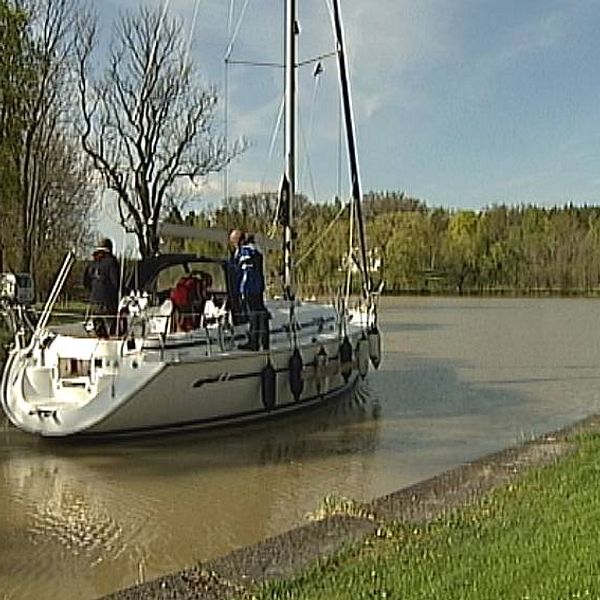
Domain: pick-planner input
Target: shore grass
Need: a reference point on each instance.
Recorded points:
(536, 538)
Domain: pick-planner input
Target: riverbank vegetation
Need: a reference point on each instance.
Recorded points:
(64, 129)
(73, 116)
(45, 185)
(501, 249)
(66, 138)
(535, 538)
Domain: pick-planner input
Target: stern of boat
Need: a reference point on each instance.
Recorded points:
(60, 385)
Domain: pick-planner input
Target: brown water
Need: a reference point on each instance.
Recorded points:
(461, 377)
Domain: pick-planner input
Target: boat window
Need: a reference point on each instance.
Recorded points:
(73, 367)
(216, 272)
(168, 278)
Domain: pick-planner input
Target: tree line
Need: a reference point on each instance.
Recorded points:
(134, 126)
(415, 248)
(45, 186)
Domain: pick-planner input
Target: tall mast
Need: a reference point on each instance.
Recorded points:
(289, 180)
(351, 138)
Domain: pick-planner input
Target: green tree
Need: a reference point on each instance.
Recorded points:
(460, 252)
(46, 192)
(13, 81)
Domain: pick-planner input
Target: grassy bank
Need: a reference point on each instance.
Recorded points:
(536, 538)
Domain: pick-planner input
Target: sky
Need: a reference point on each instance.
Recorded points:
(462, 103)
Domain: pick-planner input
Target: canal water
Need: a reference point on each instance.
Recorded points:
(460, 378)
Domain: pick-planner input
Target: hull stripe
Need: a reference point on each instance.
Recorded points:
(224, 376)
(225, 419)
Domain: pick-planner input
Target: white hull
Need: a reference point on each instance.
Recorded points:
(66, 383)
(83, 385)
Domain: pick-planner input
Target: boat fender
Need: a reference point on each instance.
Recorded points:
(346, 358)
(268, 379)
(111, 367)
(295, 367)
(362, 356)
(321, 363)
(374, 338)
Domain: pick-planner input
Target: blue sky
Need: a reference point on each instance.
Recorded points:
(463, 103)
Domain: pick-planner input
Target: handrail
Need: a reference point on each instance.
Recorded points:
(54, 293)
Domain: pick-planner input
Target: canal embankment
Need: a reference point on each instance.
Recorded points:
(240, 573)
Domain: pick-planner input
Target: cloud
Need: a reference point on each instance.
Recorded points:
(211, 189)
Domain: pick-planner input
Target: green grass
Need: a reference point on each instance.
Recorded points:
(537, 538)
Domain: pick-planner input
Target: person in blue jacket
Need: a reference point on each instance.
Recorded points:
(251, 280)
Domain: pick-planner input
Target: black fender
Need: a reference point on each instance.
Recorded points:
(268, 381)
(346, 358)
(295, 367)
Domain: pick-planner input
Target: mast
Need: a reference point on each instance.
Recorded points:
(288, 187)
(351, 140)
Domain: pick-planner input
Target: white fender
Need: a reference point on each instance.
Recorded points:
(374, 338)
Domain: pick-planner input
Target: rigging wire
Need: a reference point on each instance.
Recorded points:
(192, 29)
(318, 70)
(230, 17)
(352, 152)
(307, 158)
(323, 235)
(339, 148)
(226, 106)
(350, 258)
(226, 60)
(273, 228)
(306, 140)
(226, 130)
(274, 137)
(236, 30)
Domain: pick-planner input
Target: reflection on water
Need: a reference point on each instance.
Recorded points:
(116, 513)
(460, 378)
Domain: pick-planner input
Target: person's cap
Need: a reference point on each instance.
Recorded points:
(105, 244)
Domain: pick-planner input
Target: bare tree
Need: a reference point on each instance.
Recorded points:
(13, 77)
(148, 123)
(46, 130)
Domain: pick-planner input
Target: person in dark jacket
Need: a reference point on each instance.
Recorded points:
(233, 278)
(102, 277)
(249, 262)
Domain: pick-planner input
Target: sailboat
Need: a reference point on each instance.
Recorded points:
(63, 380)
